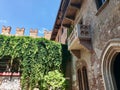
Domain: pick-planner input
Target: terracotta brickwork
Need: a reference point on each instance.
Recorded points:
(6, 30)
(20, 32)
(33, 33)
(47, 34)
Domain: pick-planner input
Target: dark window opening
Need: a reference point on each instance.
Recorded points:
(7, 66)
(16, 65)
(80, 79)
(81, 21)
(85, 78)
(99, 3)
(116, 71)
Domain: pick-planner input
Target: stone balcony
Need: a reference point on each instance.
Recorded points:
(79, 38)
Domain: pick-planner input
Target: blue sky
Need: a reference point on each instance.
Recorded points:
(36, 14)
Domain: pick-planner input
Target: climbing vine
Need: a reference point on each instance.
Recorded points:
(37, 57)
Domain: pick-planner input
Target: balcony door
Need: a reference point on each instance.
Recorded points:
(116, 71)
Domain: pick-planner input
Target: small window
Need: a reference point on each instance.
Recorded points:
(99, 3)
(80, 79)
(83, 79)
(5, 64)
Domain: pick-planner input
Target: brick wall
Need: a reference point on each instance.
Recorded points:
(33, 33)
(47, 34)
(10, 82)
(6, 30)
(20, 32)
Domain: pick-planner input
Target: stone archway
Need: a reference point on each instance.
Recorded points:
(108, 60)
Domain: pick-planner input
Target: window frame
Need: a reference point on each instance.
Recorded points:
(99, 9)
(82, 76)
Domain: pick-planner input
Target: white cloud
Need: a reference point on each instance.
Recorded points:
(3, 21)
(42, 30)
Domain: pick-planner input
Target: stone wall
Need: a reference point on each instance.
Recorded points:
(104, 27)
(9, 83)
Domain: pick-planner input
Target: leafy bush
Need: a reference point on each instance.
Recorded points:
(38, 59)
(54, 80)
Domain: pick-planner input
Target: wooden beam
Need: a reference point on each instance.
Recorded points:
(72, 18)
(66, 25)
(76, 6)
(57, 26)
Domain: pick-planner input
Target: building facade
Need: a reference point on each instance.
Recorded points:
(91, 29)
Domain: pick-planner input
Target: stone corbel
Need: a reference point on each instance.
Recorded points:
(87, 44)
(76, 53)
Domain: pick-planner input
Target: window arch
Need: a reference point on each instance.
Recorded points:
(80, 79)
(110, 52)
(83, 78)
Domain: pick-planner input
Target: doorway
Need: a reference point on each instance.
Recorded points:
(116, 71)
(110, 65)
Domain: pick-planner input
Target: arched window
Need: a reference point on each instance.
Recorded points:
(116, 71)
(83, 79)
(80, 79)
(111, 65)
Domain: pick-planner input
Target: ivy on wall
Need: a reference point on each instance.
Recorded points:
(37, 57)
(66, 57)
(70, 30)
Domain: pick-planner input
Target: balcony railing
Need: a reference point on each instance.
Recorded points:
(80, 32)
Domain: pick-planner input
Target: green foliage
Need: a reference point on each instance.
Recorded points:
(54, 80)
(37, 56)
(66, 57)
(70, 30)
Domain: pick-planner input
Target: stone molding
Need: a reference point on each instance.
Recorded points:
(110, 50)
